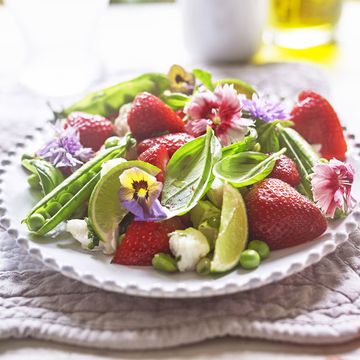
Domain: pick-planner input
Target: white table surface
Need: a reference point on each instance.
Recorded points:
(165, 48)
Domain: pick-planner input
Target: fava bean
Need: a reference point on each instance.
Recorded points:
(164, 262)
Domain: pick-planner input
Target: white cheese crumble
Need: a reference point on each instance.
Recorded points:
(190, 246)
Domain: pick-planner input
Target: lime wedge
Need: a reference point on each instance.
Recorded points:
(233, 231)
(240, 86)
(105, 210)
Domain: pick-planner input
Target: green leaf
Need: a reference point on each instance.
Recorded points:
(246, 144)
(175, 100)
(189, 173)
(240, 86)
(205, 77)
(268, 137)
(246, 168)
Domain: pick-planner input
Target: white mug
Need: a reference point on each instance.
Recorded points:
(223, 30)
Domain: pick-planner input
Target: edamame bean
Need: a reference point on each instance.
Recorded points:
(260, 247)
(164, 262)
(249, 259)
(35, 221)
(203, 266)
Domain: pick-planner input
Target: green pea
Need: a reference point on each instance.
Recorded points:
(257, 147)
(164, 262)
(35, 221)
(65, 197)
(214, 221)
(53, 207)
(249, 259)
(34, 181)
(112, 141)
(75, 186)
(43, 212)
(203, 266)
(261, 247)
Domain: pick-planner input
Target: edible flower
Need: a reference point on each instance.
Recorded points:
(139, 193)
(180, 80)
(331, 185)
(221, 110)
(262, 109)
(65, 150)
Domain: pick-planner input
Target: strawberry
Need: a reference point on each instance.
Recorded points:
(285, 169)
(93, 129)
(316, 120)
(172, 142)
(149, 117)
(156, 155)
(281, 216)
(144, 239)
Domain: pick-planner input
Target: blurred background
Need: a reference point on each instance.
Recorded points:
(57, 50)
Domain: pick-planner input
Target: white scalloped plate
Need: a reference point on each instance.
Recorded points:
(66, 256)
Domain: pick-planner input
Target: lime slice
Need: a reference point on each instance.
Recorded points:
(233, 231)
(105, 210)
(240, 86)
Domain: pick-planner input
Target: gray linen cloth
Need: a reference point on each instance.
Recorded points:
(319, 305)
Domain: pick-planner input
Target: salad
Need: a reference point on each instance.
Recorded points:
(186, 173)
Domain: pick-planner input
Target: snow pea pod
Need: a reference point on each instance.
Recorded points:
(302, 153)
(62, 202)
(107, 102)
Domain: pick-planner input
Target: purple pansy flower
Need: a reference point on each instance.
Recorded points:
(139, 193)
(265, 110)
(65, 151)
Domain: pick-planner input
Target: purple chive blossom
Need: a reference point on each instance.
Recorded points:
(265, 110)
(65, 151)
(139, 193)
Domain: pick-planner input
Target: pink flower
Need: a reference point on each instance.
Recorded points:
(331, 186)
(221, 110)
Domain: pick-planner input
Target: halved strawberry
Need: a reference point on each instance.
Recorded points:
(316, 120)
(149, 117)
(144, 239)
(171, 142)
(156, 155)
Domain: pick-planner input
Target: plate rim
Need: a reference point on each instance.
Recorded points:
(206, 289)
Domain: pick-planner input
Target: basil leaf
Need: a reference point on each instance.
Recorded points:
(246, 168)
(189, 173)
(175, 100)
(50, 176)
(246, 144)
(240, 86)
(205, 78)
(268, 137)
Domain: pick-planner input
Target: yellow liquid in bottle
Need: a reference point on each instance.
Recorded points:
(301, 24)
